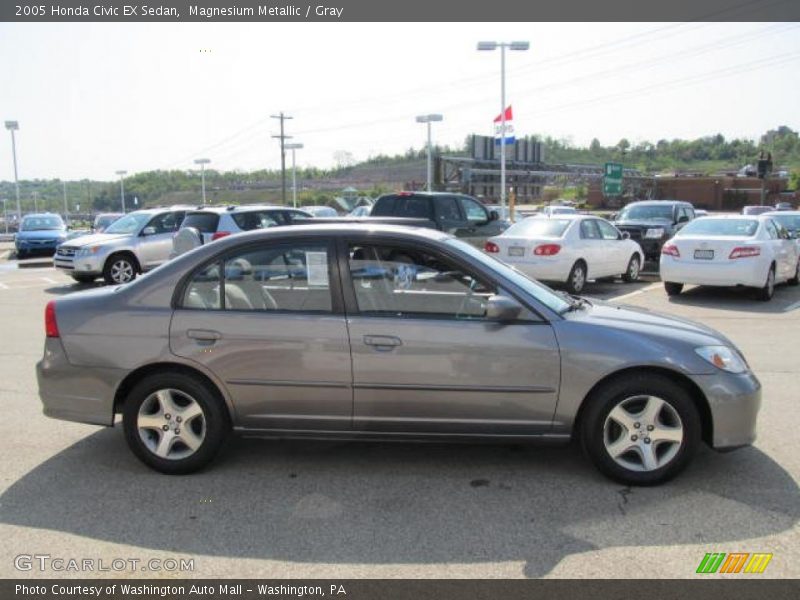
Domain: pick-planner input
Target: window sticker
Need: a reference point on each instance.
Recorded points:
(317, 266)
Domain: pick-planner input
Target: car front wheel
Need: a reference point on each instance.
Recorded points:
(641, 429)
(120, 268)
(173, 423)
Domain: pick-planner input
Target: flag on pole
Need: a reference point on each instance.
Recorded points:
(498, 129)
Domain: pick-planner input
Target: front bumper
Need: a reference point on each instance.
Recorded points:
(36, 246)
(70, 393)
(87, 265)
(734, 401)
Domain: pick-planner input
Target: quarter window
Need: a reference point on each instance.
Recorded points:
(772, 231)
(395, 281)
(279, 278)
(607, 230)
(589, 230)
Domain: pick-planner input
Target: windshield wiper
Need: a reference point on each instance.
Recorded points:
(575, 302)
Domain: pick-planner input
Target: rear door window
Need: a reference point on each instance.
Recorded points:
(248, 221)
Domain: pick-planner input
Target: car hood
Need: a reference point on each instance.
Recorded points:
(657, 325)
(95, 239)
(644, 223)
(42, 234)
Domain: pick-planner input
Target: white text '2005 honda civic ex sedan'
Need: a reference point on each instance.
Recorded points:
(568, 249)
(728, 251)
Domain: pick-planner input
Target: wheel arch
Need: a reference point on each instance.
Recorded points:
(127, 252)
(135, 376)
(694, 391)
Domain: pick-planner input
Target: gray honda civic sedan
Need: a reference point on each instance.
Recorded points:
(378, 331)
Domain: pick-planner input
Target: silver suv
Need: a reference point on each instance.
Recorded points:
(133, 244)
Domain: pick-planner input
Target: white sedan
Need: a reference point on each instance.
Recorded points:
(569, 249)
(735, 250)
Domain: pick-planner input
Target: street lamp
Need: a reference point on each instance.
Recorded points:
(5, 213)
(122, 187)
(203, 162)
(428, 119)
(491, 46)
(13, 126)
(293, 147)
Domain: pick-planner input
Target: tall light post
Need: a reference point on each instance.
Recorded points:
(203, 162)
(491, 46)
(428, 119)
(66, 207)
(5, 213)
(293, 147)
(122, 187)
(13, 126)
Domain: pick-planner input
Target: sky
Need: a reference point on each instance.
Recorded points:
(92, 99)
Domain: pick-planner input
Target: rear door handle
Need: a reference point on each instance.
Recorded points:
(382, 342)
(203, 335)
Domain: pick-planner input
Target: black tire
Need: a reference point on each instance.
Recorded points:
(576, 281)
(631, 274)
(766, 293)
(796, 279)
(672, 288)
(593, 427)
(83, 278)
(216, 425)
(115, 262)
(21, 255)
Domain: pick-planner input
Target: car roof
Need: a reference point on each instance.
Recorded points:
(323, 229)
(658, 202)
(761, 217)
(242, 208)
(570, 216)
(778, 213)
(40, 215)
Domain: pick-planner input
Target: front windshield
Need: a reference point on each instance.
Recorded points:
(542, 293)
(537, 227)
(42, 223)
(131, 223)
(790, 222)
(720, 227)
(645, 212)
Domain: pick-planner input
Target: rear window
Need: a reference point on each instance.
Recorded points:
(412, 207)
(721, 227)
(538, 227)
(204, 222)
(249, 221)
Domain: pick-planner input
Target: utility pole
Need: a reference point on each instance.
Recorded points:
(66, 207)
(283, 137)
(36, 202)
(122, 174)
(13, 126)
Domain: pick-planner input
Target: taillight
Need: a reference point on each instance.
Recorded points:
(547, 250)
(50, 323)
(220, 234)
(745, 252)
(491, 247)
(670, 250)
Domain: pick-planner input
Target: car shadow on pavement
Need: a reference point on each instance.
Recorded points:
(739, 299)
(69, 288)
(396, 503)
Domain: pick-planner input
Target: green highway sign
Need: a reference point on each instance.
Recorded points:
(612, 179)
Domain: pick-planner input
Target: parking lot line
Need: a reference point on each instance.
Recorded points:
(650, 287)
(792, 307)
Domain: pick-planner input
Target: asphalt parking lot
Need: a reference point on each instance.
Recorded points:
(313, 509)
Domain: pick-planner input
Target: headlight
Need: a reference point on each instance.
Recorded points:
(723, 358)
(89, 250)
(656, 232)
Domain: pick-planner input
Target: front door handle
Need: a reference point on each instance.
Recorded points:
(382, 342)
(203, 335)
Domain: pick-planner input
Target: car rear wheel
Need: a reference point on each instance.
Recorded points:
(641, 429)
(119, 268)
(577, 278)
(633, 270)
(672, 288)
(174, 424)
(766, 293)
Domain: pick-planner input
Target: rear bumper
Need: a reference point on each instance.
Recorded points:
(715, 273)
(71, 393)
(544, 269)
(734, 401)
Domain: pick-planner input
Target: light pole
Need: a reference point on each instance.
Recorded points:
(490, 46)
(203, 162)
(36, 202)
(13, 126)
(66, 207)
(122, 187)
(428, 119)
(5, 213)
(293, 147)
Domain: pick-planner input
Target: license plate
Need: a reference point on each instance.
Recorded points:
(704, 254)
(516, 251)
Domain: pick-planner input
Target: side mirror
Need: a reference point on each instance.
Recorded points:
(149, 230)
(494, 215)
(626, 235)
(502, 308)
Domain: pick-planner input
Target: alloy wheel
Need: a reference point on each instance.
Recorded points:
(643, 433)
(122, 271)
(171, 424)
